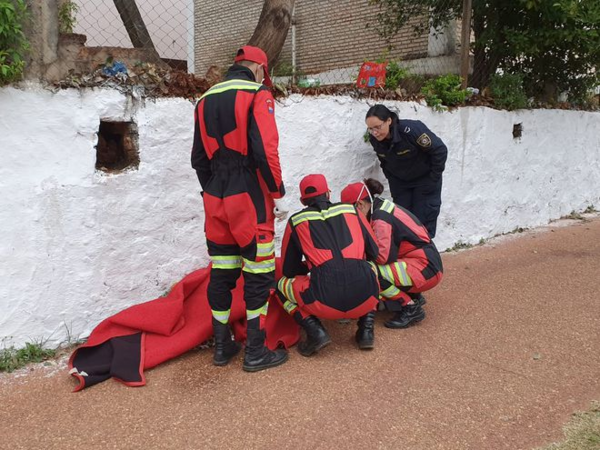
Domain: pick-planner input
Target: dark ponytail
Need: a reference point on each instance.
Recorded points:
(382, 113)
(375, 187)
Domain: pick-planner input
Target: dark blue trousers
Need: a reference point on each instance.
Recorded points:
(423, 201)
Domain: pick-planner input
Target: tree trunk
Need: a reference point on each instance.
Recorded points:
(134, 24)
(272, 28)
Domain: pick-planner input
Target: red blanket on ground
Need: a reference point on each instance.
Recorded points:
(145, 335)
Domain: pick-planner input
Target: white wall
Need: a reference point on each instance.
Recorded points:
(78, 245)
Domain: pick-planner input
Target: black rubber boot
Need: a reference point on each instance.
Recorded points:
(409, 315)
(225, 347)
(365, 335)
(258, 356)
(316, 336)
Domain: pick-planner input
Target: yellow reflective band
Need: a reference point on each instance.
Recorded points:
(265, 249)
(221, 316)
(231, 85)
(387, 206)
(281, 284)
(308, 215)
(403, 275)
(259, 267)
(386, 273)
(226, 262)
(290, 291)
(323, 215)
(390, 292)
(286, 287)
(254, 313)
(289, 306)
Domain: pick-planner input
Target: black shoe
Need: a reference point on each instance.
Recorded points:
(419, 299)
(409, 315)
(225, 347)
(365, 335)
(258, 356)
(316, 336)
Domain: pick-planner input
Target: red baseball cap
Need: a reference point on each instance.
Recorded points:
(351, 193)
(257, 55)
(313, 186)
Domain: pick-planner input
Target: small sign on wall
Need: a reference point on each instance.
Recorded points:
(371, 75)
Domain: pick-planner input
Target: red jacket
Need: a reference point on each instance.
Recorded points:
(235, 125)
(401, 236)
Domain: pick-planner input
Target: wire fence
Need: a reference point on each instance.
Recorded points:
(327, 43)
(169, 25)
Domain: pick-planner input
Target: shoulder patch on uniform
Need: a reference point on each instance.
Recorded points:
(270, 106)
(424, 140)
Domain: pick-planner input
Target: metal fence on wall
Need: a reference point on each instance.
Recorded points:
(169, 24)
(326, 44)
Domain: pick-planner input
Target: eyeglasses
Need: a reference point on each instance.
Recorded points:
(376, 128)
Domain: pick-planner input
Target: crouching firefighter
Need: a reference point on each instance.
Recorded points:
(408, 261)
(235, 154)
(329, 242)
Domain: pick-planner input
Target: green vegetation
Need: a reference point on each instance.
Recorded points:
(394, 74)
(444, 91)
(13, 43)
(554, 45)
(582, 432)
(460, 245)
(508, 92)
(66, 16)
(12, 359)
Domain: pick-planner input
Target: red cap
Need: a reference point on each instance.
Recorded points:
(352, 191)
(255, 54)
(313, 186)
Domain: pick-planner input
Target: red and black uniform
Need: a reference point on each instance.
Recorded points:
(408, 261)
(236, 158)
(330, 241)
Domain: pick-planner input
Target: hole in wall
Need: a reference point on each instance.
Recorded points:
(117, 147)
(517, 130)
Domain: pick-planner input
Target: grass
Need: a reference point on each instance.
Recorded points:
(574, 216)
(460, 245)
(12, 359)
(582, 432)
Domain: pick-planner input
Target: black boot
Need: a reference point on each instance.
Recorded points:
(419, 299)
(365, 335)
(258, 356)
(225, 347)
(316, 336)
(409, 315)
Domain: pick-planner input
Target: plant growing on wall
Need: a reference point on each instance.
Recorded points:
(507, 90)
(444, 91)
(67, 16)
(394, 75)
(13, 43)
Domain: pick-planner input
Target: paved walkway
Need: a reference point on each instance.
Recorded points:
(510, 348)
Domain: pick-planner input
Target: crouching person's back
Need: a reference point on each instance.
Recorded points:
(325, 274)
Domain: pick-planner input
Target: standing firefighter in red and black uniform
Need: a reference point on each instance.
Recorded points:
(236, 158)
(408, 261)
(330, 241)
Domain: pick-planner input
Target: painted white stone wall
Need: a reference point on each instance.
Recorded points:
(77, 245)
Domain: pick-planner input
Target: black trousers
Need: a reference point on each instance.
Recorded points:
(423, 201)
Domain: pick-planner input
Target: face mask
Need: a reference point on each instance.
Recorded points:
(364, 187)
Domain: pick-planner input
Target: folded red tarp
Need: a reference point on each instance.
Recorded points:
(145, 335)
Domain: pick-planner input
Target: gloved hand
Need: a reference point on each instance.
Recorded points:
(280, 210)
